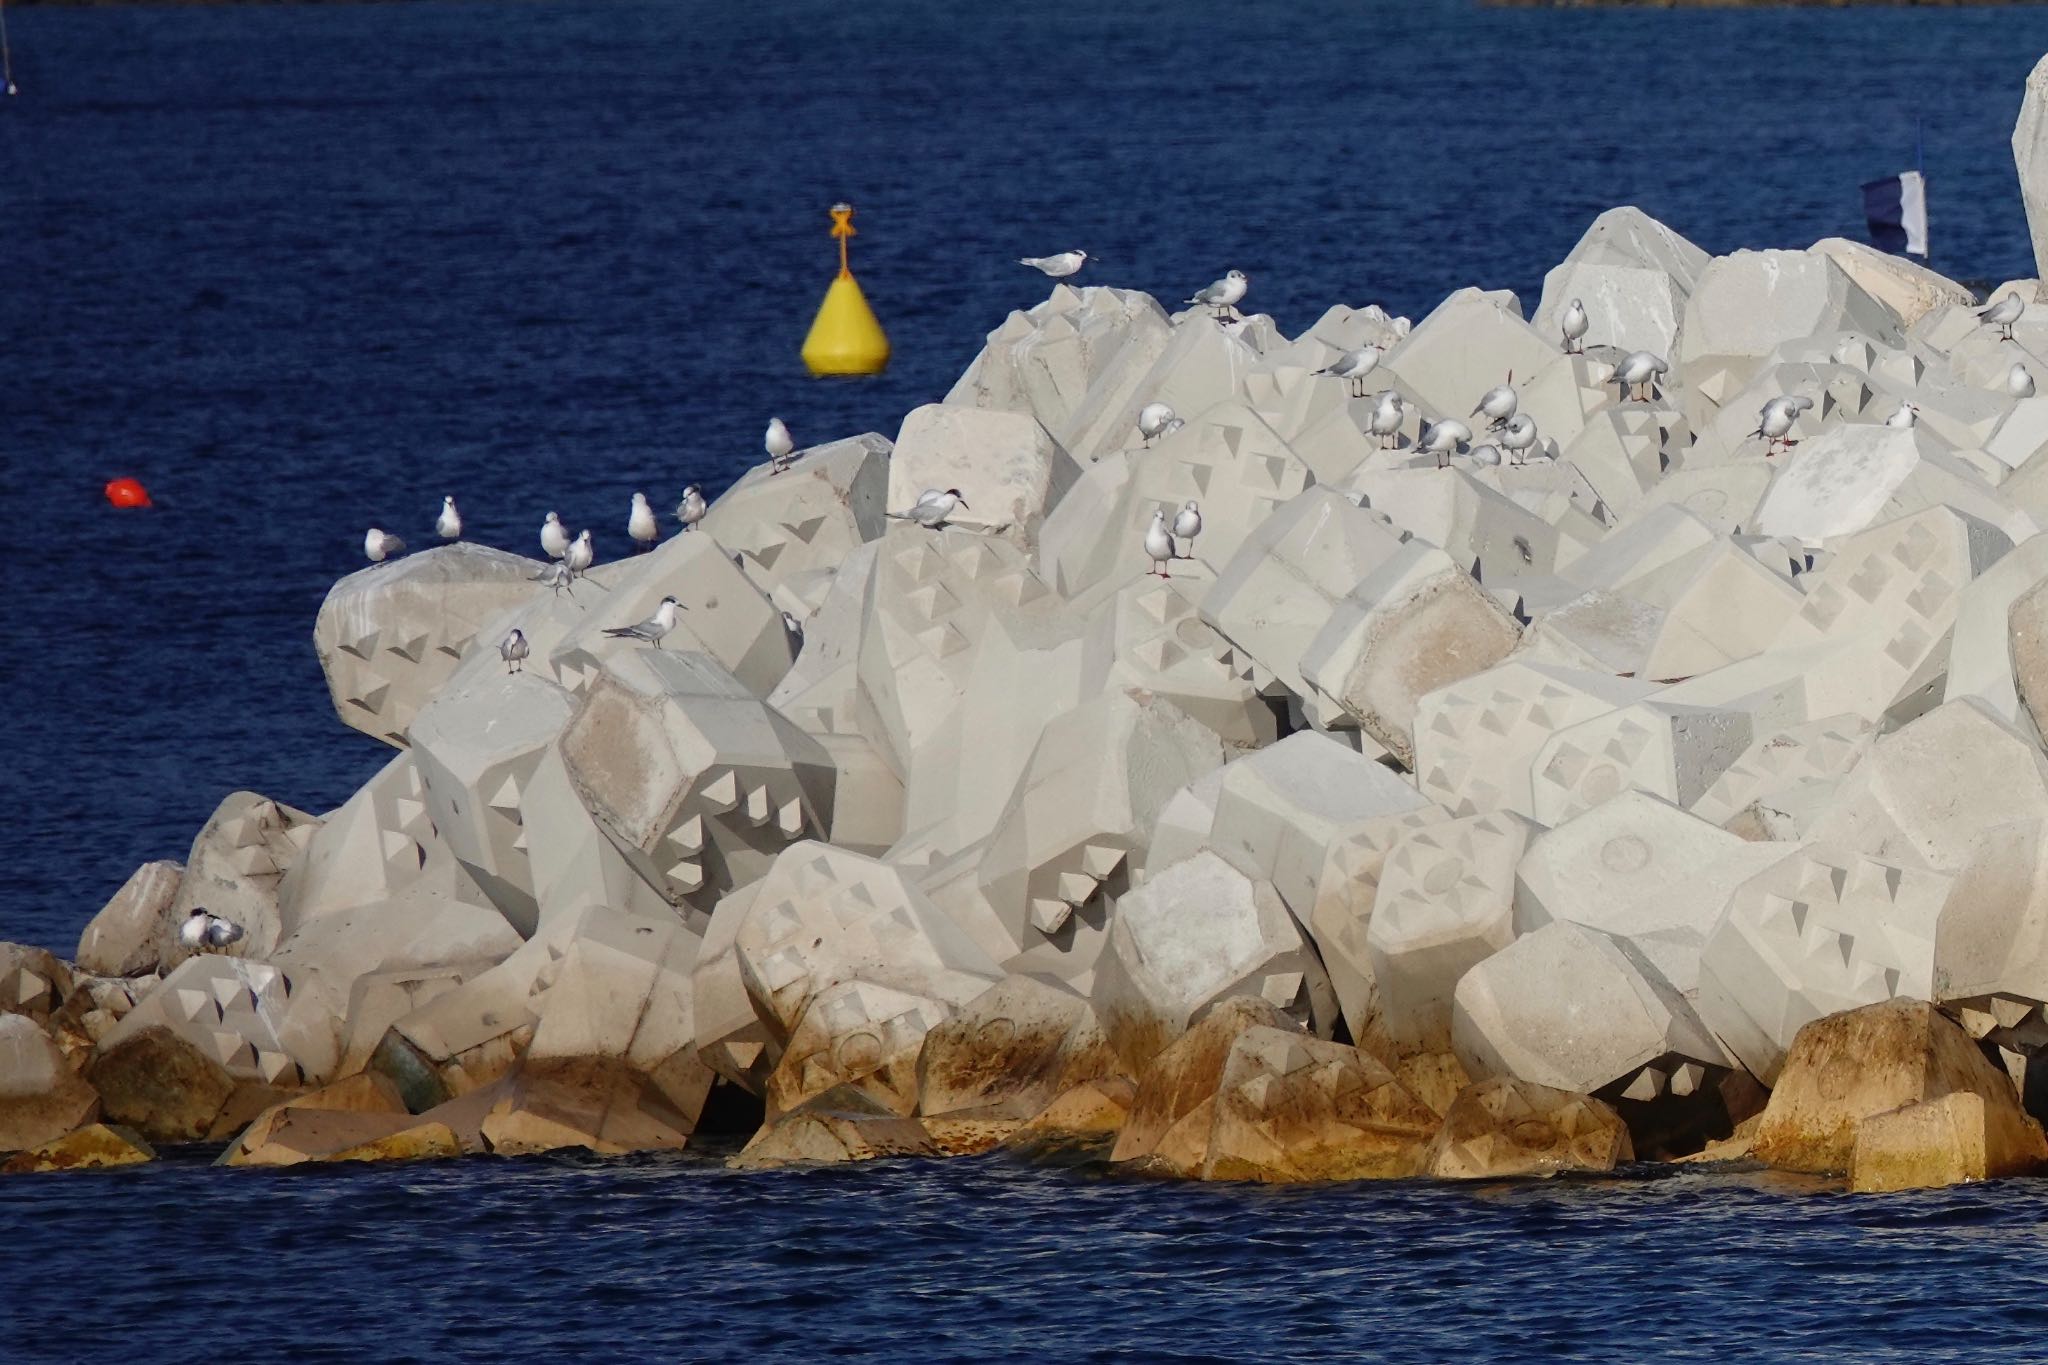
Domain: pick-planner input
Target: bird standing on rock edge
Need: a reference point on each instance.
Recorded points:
(654, 627)
(448, 525)
(1639, 370)
(1906, 416)
(1155, 420)
(2019, 380)
(692, 508)
(1573, 324)
(203, 929)
(1499, 404)
(1443, 439)
(1058, 266)
(1159, 544)
(2004, 314)
(580, 555)
(1774, 423)
(1223, 296)
(380, 545)
(640, 524)
(1518, 436)
(932, 508)
(554, 537)
(779, 444)
(1354, 365)
(513, 649)
(1386, 417)
(1187, 525)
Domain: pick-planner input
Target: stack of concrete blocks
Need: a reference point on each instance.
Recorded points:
(1598, 775)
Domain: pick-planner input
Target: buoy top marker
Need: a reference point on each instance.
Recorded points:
(845, 337)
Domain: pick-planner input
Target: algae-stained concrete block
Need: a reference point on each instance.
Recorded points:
(1009, 1053)
(1415, 623)
(1632, 274)
(40, 1098)
(477, 745)
(1888, 598)
(1571, 1008)
(1670, 751)
(33, 981)
(860, 1037)
(1821, 931)
(1177, 1085)
(1472, 334)
(1475, 741)
(390, 635)
(237, 1013)
(158, 1083)
(1850, 1067)
(1445, 903)
(2030, 154)
(809, 517)
(1291, 1108)
(1640, 870)
(237, 862)
(1502, 1128)
(1957, 1137)
(1197, 932)
(834, 1128)
(124, 938)
(1346, 892)
(97, 1146)
(697, 782)
(602, 1104)
(1925, 792)
(1747, 303)
(1077, 826)
(1274, 812)
(1009, 467)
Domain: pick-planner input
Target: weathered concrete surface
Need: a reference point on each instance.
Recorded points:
(1501, 1128)
(126, 936)
(97, 1146)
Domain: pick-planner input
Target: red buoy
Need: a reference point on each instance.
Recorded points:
(126, 492)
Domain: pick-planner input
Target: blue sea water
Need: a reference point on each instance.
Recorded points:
(302, 269)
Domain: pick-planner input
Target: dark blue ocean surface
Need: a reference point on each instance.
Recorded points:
(305, 269)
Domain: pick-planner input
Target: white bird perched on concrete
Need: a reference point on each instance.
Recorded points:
(558, 577)
(1906, 416)
(793, 631)
(654, 627)
(1056, 267)
(1153, 421)
(779, 444)
(1443, 438)
(1488, 455)
(1518, 436)
(203, 929)
(448, 525)
(2019, 381)
(1187, 524)
(1573, 324)
(513, 649)
(1499, 403)
(381, 545)
(554, 537)
(932, 508)
(1159, 543)
(1386, 417)
(1639, 370)
(1774, 423)
(579, 556)
(2004, 314)
(1224, 295)
(640, 523)
(692, 508)
(1354, 365)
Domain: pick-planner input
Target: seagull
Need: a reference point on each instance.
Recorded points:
(2004, 314)
(553, 538)
(1154, 420)
(1187, 525)
(932, 508)
(1443, 438)
(1639, 370)
(793, 631)
(1224, 295)
(1386, 417)
(1488, 455)
(1573, 324)
(381, 545)
(580, 555)
(449, 524)
(1057, 267)
(2019, 381)
(1906, 416)
(1499, 403)
(513, 649)
(640, 525)
(1354, 365)
(654, 627)
(558, 577)
(203, 929)
(692, 508)
(779, 444)
(1777, 418)
(1517, 436)
(1159, 544)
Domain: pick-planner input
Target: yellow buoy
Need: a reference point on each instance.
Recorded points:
(845, 338)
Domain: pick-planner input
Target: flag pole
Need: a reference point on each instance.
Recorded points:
(1920, 165)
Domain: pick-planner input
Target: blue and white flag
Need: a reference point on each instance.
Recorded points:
(1897, 209)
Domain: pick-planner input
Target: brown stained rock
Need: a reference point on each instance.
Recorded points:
(1092, 1112)
(40, 1097)
(121, 940)
(1292, 1108)
(93, 1147)
(1186, 1074)
(1008, 1054)
(160, 1085)
(1184, 1147)
(1506, 1127)
(600, 1103)
(309, 1125)
(1945, 1141)
(1848, 1067)
(838, 1126)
